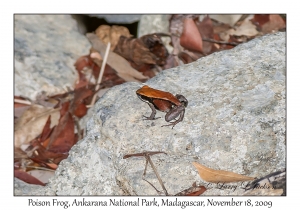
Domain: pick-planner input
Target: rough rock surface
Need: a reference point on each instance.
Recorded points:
(46, 48)
(235, 121)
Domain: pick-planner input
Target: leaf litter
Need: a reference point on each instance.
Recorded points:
(47, 128)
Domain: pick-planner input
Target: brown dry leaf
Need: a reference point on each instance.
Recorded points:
(155, 45)
(146, 69)
(24, 176)
(110, 77)
(112, 34)
(43, 155)
(206, 30)
(32, 122)
(176, 28)
(191, 38)
(63, 135)
(46, 130)
(185, 57)
(80, 64)
(247, 28)
(260, 20)
(80, 110)
(228, 19)
(215, 176)
(275, 23)
(195, 190)
(78, 106)
(122, 66)
(220, 27)
(134, 50)
(171, 62)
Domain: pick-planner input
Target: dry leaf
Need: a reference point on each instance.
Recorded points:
(32, 122)
(42, 175)
(185, 57)
(191, 38)
(215, 176)
(22, 175)
(62, 137)
(228, 19)
(206, 30)
(275, 23)
(115, 61)
(43, 155)
(19, 154)
(195, 190)
(18, 111)
(46, 130)
(112, 34)
(260, 20)
(78, 105)
(154, 43)
(148, 49)
(134, 50)
(246, 28)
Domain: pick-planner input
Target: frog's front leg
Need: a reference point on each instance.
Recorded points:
(152, 116)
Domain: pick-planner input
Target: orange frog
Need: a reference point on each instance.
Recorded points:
(174, 106)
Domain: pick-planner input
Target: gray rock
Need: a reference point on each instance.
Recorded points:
(22, 188)
(235, 121)
(46, 48)
(150, 24)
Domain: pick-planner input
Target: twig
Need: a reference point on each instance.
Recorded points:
(142, 154)
(40, 168)
(101, 73)
(148, 159)
(214, 41)
(143, 178)
(220, 42)
(78, 127)
(20, 101)
(156, 173)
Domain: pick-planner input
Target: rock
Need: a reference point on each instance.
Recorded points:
(150, 24)
(22, 188)
(46, 48)
(235, 121)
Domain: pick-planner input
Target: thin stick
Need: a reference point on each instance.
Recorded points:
(101, 73)
(156, 173)
(20, 101)
(40, 168)
(142, 154)
(220, 42)
(143, 177)
(78, 127)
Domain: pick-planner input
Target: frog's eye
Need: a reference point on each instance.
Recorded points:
(182, 100)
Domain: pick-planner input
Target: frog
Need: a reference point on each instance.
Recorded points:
(173, 106)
